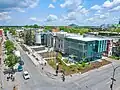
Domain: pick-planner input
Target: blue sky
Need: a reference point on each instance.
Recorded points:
(59, 12)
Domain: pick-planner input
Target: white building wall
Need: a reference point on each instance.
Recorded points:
(38, 38)
(110, 48)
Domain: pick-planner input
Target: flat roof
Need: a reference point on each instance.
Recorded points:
(81, 38)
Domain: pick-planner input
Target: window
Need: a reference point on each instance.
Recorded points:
(59, 45)
(85, 54)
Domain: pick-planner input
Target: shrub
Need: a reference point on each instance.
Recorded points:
(52, 63)
(83, 64)
(65, 60)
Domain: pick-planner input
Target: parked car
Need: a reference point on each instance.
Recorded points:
(21, 62)
(20, 68)
(26, 75)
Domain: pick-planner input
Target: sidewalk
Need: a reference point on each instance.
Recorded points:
(35, 62)
(5, 85)
(40, 60)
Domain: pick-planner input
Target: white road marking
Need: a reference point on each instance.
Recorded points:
(77, 85)
(108, 82)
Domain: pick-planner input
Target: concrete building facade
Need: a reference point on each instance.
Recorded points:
(38, 36)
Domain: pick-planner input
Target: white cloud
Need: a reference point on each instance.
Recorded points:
(4, 16)
(19, 9)
(103, 16)
(71, 16)
(110, 4)
(71, 5)
(6, 5)
(51, 18)
(79, 8)
(34, 19)
(33, 3)
(18, 5)
(115, 9)
(54, 0)
(96, 7)
(97, 14)
(84, 11)
(66, 4)
(107, 4)
(99, 11)
(51, 6)
(90, 19)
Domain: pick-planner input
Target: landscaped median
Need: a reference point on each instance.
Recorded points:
(78, 67)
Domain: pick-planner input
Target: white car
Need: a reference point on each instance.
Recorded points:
(26, 75)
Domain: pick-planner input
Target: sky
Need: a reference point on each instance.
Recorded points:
(59, 12)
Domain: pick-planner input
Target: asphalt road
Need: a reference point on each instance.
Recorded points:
(97, 80)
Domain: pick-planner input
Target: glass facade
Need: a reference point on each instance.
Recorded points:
(89, 51)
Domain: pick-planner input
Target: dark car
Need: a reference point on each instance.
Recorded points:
(21, 62)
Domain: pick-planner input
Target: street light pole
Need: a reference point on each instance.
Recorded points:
(57, 64)
(113, 77)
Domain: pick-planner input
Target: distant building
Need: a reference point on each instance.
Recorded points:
(55, 29)
(19, 32)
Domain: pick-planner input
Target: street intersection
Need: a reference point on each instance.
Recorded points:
(98, 79)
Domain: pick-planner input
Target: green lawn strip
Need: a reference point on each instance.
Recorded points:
(114, 57)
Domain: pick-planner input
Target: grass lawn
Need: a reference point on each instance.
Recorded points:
(114, 57)
(77, 67)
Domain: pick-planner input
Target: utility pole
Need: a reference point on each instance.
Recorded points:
(113, 77)
(57, 64)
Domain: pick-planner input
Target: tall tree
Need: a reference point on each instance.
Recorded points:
(9, 43)
(9, 46)
(11, 61)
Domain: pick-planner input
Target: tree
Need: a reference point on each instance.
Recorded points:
(10, 49)
(118, 30)
(28, 38)
(14, 32)
(35, 26)
(26, 26)
(11, 61)
(5, 31)
(83, 64)
(59, 56)
(9, 46)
